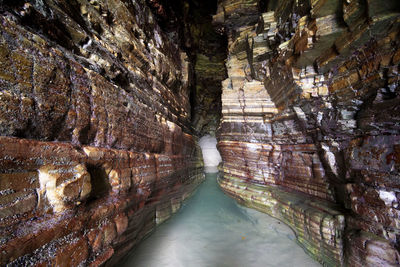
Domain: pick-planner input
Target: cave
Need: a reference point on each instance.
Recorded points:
(199, 133)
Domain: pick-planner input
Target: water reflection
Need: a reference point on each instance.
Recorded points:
(211, 229)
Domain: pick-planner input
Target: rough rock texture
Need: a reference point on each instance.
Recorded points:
(209, 52)
(190, 23)
(96, 146)
(310, 127)
(206, 48)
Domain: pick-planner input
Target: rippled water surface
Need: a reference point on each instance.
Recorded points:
(211, 229)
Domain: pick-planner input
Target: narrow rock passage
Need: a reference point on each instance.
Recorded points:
(211, 229)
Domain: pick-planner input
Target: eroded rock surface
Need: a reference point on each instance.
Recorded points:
(101, 102)
(190, 23)
(310, 127)
(96, 142)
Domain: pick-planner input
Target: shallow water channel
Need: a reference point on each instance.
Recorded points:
(211, 229)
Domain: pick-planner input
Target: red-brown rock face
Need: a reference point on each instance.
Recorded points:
(96, 145)
(310, 127)
(96, 142)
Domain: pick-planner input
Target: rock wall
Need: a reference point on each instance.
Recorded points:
(310, 126)
(190, 23)
(209, 52)
(96, 146)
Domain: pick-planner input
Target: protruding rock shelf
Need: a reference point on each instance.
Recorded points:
(310, 124)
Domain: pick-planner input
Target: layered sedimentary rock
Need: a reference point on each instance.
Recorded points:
(96, 146)
(190, 22)
(310, 127)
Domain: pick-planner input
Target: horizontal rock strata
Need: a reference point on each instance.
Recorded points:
(318, 224)
(96, 146)
(310, 123)
(102, 199)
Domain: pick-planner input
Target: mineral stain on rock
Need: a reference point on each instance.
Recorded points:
(103, 104)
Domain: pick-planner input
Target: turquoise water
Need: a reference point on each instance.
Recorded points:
(211, 229)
